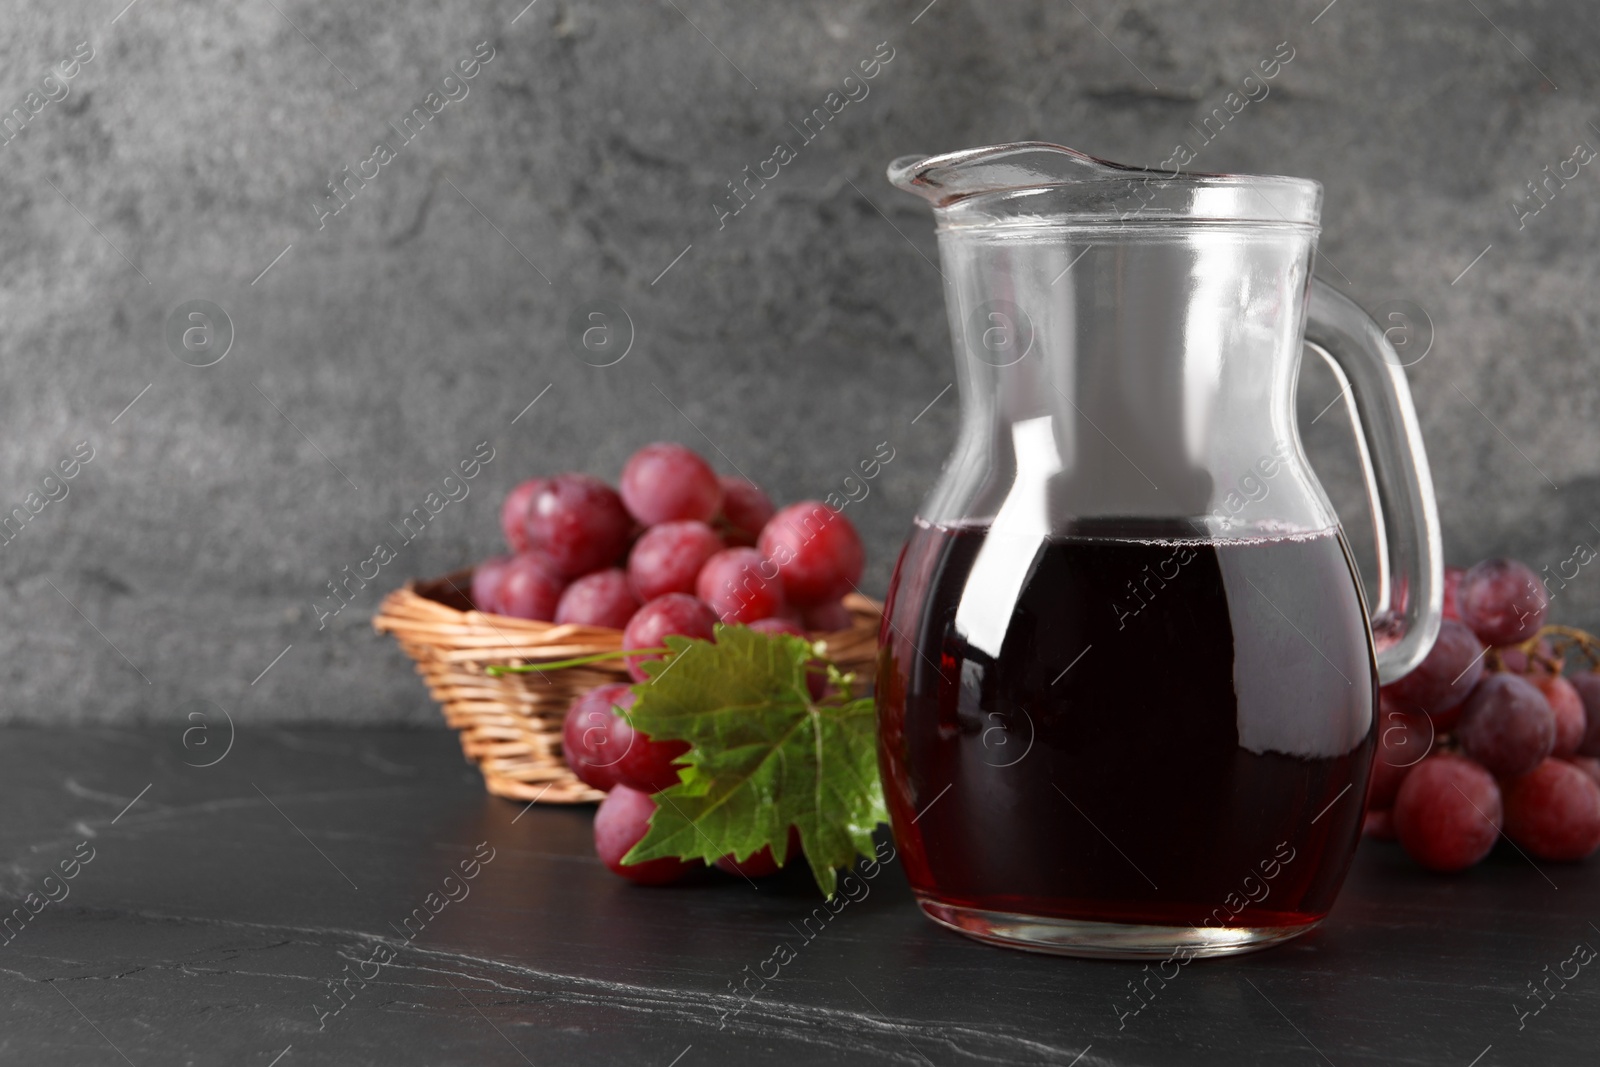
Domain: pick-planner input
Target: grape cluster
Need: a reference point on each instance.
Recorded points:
(1488, 735)
(674, 550)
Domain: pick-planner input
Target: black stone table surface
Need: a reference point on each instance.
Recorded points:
(256, 912)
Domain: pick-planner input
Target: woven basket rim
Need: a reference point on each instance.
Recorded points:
(412, 609)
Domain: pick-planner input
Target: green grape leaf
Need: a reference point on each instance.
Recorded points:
(763, 755)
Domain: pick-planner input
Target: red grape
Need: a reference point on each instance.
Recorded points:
(514, 513)
(759, 865)
(1452, 586)
(1384, 785)
(829, 617)
(1507, 725)
(644, 765)
(603, 598)
(487, 577)
(1588, 765)
(668, 557)
(1446, 723)
(1512, 658)
(762, 863)
(1448, 814)
(776, 624)
(745, 510)
(1446, 675)
(740, 586)
(665, 481)
(1379, 824)
(586, 740)
(580, 522)
(1554, 811)
(1564, 700)
(1404, 739)
(1502, 600)
(1587, 683)
(621, 823)
(674, 613)
(530, 587)
(817, 550)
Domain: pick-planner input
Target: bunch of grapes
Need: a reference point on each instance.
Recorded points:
(673, 550)
(1489, 736)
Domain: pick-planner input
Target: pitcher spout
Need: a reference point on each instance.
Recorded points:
(1035, 180)
(943, 179)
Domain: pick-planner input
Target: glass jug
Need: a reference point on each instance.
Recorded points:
(1128, 676)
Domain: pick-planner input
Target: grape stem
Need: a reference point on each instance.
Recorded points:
(1563, 640)
(497, 669)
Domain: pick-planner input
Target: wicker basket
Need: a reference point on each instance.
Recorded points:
(510, 725)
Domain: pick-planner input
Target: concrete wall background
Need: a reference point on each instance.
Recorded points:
(587, 155)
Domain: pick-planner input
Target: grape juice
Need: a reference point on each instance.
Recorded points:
(1127, 724)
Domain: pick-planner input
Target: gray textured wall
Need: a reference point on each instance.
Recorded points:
(586, 157)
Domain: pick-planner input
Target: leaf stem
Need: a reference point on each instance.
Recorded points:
(497, 669)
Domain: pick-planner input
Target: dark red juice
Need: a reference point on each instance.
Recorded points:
(1127, 724)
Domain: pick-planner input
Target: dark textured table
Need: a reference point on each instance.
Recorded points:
(354, 898)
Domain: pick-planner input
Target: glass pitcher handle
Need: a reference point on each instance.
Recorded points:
(1410, 558)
